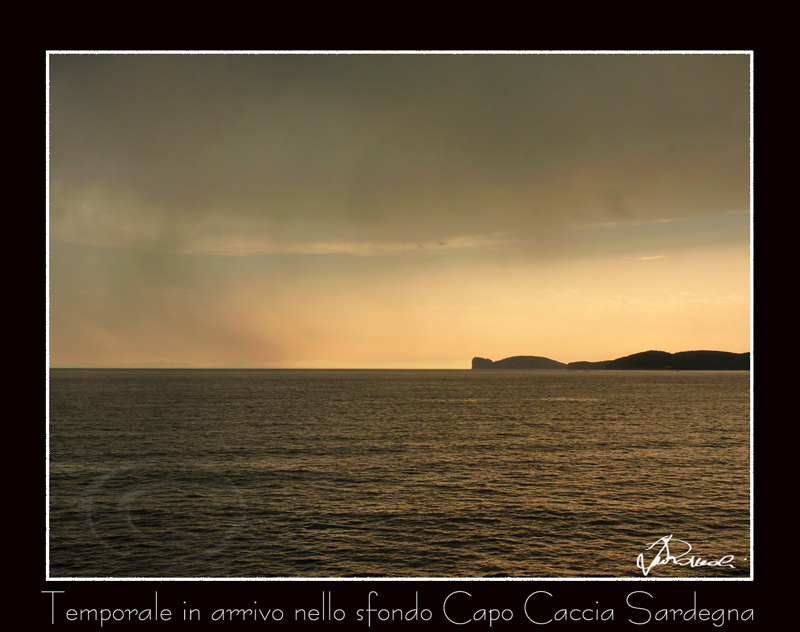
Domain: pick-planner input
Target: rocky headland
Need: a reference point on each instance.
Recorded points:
(647, 360)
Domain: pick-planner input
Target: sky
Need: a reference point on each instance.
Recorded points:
(395, 210)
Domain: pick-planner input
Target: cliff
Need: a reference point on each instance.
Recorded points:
(647, 360)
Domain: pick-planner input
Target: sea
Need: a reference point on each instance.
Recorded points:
(398, 474)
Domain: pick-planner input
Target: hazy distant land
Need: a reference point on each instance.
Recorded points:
(647, 360)
(518, 362)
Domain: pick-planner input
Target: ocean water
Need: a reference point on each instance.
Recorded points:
(305, 473)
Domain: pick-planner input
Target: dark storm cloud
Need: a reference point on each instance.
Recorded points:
(274, 151)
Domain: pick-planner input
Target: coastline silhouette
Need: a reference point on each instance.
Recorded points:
(646, 360)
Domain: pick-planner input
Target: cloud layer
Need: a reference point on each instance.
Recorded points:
(179, 150)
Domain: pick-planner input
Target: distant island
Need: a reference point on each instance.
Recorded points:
(647, 360)
(518, 362)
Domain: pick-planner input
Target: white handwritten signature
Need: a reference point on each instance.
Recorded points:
(663, 556)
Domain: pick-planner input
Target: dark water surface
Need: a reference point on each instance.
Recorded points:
(305, 473)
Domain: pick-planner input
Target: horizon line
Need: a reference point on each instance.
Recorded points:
(161, 365)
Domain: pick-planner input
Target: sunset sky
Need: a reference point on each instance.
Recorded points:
(396, 211)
